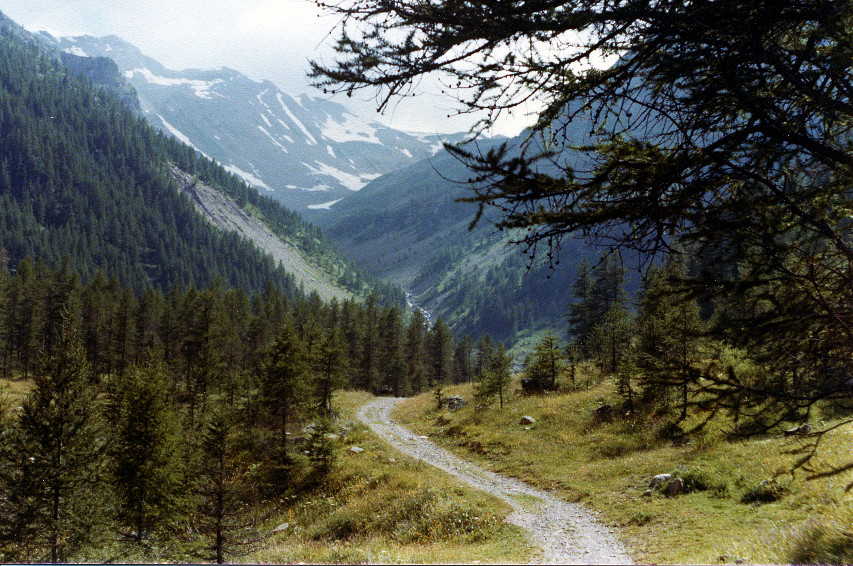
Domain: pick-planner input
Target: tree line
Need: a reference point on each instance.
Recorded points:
(158, 415)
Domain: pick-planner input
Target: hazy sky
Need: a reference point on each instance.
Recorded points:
(264, 39)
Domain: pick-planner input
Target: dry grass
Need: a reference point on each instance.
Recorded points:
(608, 466)
(13, 391)
(380, 506)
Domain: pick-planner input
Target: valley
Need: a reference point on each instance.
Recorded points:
(239, 324)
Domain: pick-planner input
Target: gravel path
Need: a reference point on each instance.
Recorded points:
(565, 532)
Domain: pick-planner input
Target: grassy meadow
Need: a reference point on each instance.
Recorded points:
(745, 504)
(381, 506)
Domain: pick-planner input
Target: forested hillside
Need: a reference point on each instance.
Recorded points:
(410, 228)
(86, 181)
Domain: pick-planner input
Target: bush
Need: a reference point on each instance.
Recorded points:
(703, 480)
(767, 491)
(828, 540)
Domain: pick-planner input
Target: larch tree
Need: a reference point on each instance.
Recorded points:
(723, 127)
(53, 495)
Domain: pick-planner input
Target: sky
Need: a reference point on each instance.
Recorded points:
(263, 39)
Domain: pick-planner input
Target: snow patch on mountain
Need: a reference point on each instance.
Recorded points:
(274, 141)
(249, 177)
(324, 205)
(295, 120)
(202, 89)
(351, 129)
(350, 181)
(76, 50)
(178, 134)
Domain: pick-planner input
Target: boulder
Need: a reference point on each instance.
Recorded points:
(456, 403)
(527, 420)
(281, 527)
(674, 487)
(356, 450)
(659, 480)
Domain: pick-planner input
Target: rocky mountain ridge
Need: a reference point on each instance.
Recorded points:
(307, 152)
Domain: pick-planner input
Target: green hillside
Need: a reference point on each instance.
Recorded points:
(409, 228)
(84, 180)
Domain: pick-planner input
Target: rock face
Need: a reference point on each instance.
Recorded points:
(225, 214)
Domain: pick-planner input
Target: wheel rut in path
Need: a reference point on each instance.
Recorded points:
(564, 532)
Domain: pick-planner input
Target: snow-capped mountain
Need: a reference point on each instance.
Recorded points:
(307, 151)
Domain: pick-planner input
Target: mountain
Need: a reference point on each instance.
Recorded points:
(408, 228)
(305, 151)
(85, 181)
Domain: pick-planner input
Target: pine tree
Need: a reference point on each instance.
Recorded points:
(227, 497)
(496, 377)
(669, 333)
(416, 339)
(284, 387)
(545, 364)
(53, 498)
(331, 367)
(441, 353)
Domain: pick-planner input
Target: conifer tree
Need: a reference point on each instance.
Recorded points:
(284, 386)
(146, 467)
(331, 366)
(495, 378)
(441, 352)
(669, 333)
(416, 339)
(226, 496)
(393, 367)
(53, 497)
(546, 363)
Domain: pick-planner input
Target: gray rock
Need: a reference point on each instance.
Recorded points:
(527, 420)
(281, 527)
(456, 403)
(801, 430)
(659, 480)
(356, 449)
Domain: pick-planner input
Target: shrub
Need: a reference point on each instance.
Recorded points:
(702, 480)
(828, 540)
(767, 491)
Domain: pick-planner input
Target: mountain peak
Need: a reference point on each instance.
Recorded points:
(306, 151)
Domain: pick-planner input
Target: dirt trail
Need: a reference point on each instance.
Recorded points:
(565, 532)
